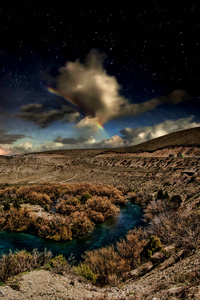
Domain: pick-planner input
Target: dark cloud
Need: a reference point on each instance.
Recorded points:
(30, 108)
(70, 141)
(38, 114)
(6, 138)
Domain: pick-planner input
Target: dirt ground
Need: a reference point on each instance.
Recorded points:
(144, 172)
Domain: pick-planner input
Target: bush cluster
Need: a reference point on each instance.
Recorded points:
(21, 261)
(78, 208)
(168, 220)
(109, 265)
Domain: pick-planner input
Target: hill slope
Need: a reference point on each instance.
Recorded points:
(186, 138)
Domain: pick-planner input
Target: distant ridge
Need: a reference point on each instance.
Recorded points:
(187, 138)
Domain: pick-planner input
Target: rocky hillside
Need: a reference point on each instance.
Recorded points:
(145, 168)
(183, 138)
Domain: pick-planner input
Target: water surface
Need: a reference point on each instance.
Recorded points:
(107, 233)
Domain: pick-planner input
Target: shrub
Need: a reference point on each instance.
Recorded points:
(96, 217)
(105, 262)
(40, 258)
(176, 200)
(160, 195)
(6, 206)
(59, 264)
(85, 271)
(84, 198)
(16, 204)
(38, 198)
(81, 205)
(21, 261)
(153, 245)
(102, 205)
(15, 220)
(56, 229)
(131, 247)
(81, 224)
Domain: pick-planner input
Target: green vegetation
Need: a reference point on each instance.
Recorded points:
(84, 198)
(85, 271)
(153, 245)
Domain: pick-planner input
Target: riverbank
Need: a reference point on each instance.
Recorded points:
(107, 233)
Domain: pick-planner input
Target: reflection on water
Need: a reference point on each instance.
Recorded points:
(107, 233)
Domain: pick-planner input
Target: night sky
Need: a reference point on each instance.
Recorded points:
(88, 74)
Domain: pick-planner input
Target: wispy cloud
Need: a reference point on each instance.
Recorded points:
(39, 115)
(7, 138)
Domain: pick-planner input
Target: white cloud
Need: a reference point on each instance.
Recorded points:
(89, 87)
(146, 133)
(129, 137)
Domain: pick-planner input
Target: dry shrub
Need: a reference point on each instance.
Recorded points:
(115, 195)
(131, 247)
(96, 217)
(67, 206)
(21, 261)
(139, 198)
(154, 208)
(102, 205)
(40, 258)
(173, 225)
(56, 229)
(105, 263)
(15, 220)
(52, 191)
(38, 198)
(81, 224)
(7, 192)
(78, 205)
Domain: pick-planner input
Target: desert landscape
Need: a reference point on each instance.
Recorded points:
(160, 261)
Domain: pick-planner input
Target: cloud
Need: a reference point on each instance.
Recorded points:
(81, 141)
(6, 138)
(4, 151)
(114, 142)
(146, 133)
(90, 88)
(129, 137)
(29, 146)
(70, 141)
(37, 114)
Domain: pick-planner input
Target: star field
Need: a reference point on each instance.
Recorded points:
(150, 48)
